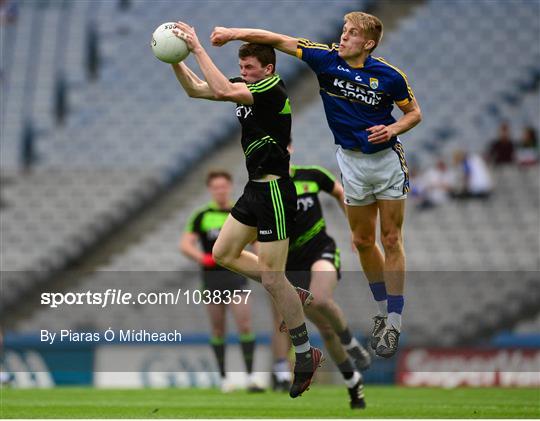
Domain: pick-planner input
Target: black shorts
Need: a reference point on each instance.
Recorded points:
(269, 206)
(223, 280)
(298, 269)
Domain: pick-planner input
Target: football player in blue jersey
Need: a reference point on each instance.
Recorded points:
(358, 92)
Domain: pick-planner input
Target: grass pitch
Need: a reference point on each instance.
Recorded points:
(319, 402)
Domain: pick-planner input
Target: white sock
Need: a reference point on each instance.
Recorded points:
(305, 347)
(282, 371)
(353, 380)
(382, 307)
(352, 344)
(394, 320)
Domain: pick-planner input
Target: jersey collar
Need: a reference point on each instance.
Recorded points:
(265, 78)
(361, 66)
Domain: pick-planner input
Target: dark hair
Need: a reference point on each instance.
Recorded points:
(216, 174)
(264, 53)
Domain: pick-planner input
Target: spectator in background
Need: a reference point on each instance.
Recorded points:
(9, 10)
(473, 179)
(435, 186)
(8, 16)
(527, 151)
(501, 150)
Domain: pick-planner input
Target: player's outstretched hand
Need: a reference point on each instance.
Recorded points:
(221, 36)
(188, 34)
(380, 134)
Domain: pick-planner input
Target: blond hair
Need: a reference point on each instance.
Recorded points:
(371, 26)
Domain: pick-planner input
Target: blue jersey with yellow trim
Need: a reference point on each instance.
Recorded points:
(356, 98)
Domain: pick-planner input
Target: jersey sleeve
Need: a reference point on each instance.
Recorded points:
(317, 56)
(193, 224)
(401, 91)
(325, 179)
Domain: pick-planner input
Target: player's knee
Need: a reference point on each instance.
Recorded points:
(326, 331)
(244, 328)
(218, 332)
(391, 241)
(364, 242)
(321, 303)
(270, 279)
(221, 256)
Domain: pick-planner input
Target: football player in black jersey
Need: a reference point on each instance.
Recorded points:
(314, 264)
(266, 209)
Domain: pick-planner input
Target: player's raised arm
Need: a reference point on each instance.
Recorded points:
(284, 43)
(222, 88)
(192, 84)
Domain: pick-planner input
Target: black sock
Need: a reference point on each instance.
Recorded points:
(299, 336)
(345, 337)
(247, 342)
(300, 340)
(218, 345)
(346, 368)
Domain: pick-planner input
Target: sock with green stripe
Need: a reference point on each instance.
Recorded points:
(218, 345)
(247, 342)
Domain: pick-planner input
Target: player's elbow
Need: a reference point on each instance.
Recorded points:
(223, 94)
(418, 116)
(195, 94)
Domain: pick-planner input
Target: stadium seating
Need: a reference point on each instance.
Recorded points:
(529, 326)
(451, 70)
(448, 250)
(128, 133)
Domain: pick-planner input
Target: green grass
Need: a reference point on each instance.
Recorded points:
(319, 402)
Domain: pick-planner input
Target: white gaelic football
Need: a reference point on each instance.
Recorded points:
(168, 47)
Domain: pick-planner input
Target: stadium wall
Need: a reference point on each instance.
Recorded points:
(32, 362)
